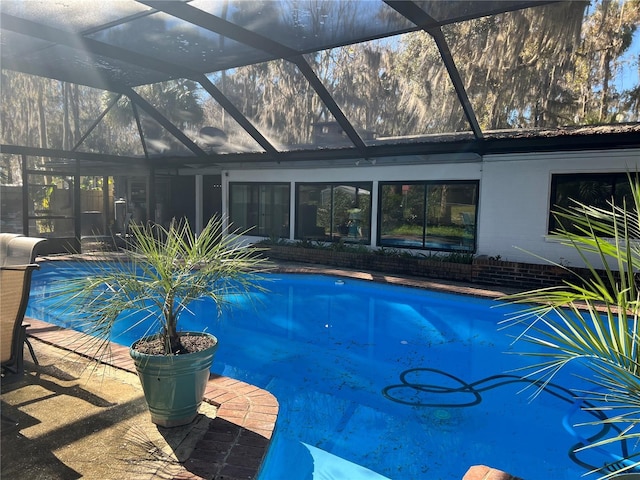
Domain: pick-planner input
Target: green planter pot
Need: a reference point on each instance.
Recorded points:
(174, 385)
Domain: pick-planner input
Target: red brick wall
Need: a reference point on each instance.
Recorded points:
(483, 271)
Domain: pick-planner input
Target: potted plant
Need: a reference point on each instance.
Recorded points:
(161, 273)
(594, 320)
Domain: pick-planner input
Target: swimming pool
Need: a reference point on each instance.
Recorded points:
(378, 381)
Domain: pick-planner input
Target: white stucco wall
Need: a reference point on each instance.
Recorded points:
(513, 205)
(514, 200)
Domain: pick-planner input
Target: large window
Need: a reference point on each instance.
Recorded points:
(593, 189)
(429, 215)
(334, 212)
(260, 208)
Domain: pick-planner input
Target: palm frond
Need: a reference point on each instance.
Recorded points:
(593, 319)
(163, 272)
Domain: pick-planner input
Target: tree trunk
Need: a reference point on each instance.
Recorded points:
(606, 76)
(66, 129)
(42, 118)
(75, 110)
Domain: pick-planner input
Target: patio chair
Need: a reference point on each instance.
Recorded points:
(15, 285)
(5, 238)
(17, 249)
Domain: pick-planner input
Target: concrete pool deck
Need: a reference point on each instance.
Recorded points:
(68, 419)
(72, 419)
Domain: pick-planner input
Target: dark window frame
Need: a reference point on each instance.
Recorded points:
(425, 234)
(608, 180)
(254, 232)
(332, 238)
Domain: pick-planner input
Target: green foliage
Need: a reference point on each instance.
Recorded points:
(354, 247)
(274, 240)
(406, 230)
(459, 257)
(593, 320)
(311, 244)
(433, 231)
(341, 246)
(163, 273)
(394, 252)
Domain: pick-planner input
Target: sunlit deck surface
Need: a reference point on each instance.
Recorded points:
(67, 419)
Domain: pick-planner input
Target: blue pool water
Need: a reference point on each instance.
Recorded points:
(378, 381)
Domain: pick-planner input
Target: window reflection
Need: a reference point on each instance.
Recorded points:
(261, 209)
(593, 189)
(334, 212)
(429, 215)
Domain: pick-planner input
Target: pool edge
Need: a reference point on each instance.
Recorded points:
(252, 410)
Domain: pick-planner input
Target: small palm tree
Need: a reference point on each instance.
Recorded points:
(163, 272)
(593, 320)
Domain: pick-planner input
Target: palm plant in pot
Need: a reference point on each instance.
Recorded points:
(152, 284)
(594, 320)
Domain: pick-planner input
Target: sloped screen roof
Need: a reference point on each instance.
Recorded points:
(212, 81)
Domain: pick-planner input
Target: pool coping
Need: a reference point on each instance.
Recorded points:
(239, 436)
